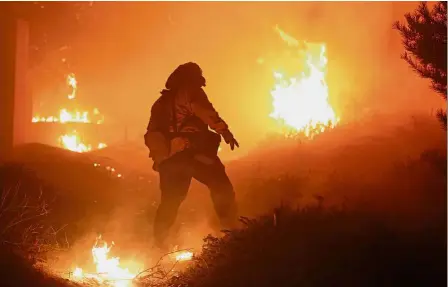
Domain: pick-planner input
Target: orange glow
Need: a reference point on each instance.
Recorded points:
(72, 140)
(122, 77)
(181, 255)
(184, 256)
(108, 270)
(301, 102)
(102, 145)
(71, 81)
(66, 116)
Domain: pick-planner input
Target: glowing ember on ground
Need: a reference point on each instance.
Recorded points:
(72, 140)
(108, 270)
(300, 102)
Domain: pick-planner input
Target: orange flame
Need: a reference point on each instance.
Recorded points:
(181, 255)
(184, 256)
(108, 270)
(71, 81)
(72, 141)
(301, 102)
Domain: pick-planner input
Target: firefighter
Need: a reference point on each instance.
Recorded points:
(182, 147)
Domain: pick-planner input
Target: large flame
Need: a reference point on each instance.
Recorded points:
(300, 102)
(72, 141)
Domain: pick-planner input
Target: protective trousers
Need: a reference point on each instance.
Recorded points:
(175, 178)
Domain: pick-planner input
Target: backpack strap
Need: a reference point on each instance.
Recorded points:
(173, 112)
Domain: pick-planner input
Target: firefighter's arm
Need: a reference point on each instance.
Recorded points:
(204, 109)
(152, 124)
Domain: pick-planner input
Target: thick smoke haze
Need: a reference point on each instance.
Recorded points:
(387, 155)
(124, 52)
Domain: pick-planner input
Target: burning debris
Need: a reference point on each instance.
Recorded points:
(72, 140)
(300, 102)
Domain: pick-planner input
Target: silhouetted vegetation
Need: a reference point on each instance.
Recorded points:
(424, 38)
(48, 198)
(28, 230)
(387, 227)
(318, 247)
(16, 271)
(389, 231)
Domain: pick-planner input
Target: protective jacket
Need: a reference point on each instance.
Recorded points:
(177, 119)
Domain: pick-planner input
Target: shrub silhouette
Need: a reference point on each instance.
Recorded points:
(318, 247)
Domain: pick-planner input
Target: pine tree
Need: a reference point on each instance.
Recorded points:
(424, 39)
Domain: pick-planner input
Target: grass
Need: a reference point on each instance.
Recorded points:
(320, 247)
(386, 228)
(16, 271)
(42, 213)
(380, 221)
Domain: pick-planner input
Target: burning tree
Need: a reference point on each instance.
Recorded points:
(424, 39)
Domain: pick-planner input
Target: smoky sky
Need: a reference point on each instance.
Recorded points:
(125, 50)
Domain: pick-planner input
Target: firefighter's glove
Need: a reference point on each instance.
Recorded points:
(230, 140)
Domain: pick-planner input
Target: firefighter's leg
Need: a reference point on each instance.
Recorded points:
(174, 183)
(212, 173)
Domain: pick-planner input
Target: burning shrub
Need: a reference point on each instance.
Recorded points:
(317, 247)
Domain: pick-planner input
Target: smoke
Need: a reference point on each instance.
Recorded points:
(128, 49)
(124, 54)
